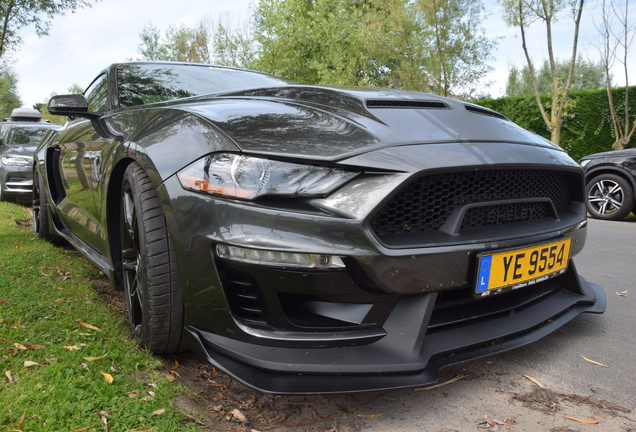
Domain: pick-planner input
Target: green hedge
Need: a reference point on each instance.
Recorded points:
(587, 125)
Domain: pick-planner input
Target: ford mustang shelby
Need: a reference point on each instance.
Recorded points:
(310, 239)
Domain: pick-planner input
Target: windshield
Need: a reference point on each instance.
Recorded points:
(28, 137)
(141, 84)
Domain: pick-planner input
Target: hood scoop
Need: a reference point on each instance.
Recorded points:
(484, 111)
(398, 103)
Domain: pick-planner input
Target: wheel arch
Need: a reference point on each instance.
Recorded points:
(113, 206)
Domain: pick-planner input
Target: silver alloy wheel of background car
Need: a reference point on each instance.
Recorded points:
(150, 274)
(609, 197)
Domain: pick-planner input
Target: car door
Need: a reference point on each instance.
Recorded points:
(79, 166)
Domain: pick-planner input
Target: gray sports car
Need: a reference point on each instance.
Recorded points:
(311, 239)
(19, 136)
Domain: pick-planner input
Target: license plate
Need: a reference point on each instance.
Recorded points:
(516, 268)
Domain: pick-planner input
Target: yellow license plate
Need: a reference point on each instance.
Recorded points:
(516, 268)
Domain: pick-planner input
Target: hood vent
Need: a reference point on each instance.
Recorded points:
(397, 103)
(485, 111)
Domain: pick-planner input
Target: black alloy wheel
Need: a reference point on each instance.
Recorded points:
(609, 197)
(149, 266)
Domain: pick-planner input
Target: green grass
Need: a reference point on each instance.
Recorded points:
(49, 377)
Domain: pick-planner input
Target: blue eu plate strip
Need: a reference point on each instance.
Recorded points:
(484, 273)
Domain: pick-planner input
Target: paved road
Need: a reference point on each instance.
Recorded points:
(496, 387)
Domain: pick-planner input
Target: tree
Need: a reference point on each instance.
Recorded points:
(233, 42)
(522, 13)
(9, 98)
(587, 76)
(617, 36)
(329, 41)
(180, 43)
(424, 45)
(458, 50)
(16, 14)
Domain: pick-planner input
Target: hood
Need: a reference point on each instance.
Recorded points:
(612, 154)
(18, 150)
(336, 123)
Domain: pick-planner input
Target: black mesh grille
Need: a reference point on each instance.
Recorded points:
(389, 103)
(425, 204)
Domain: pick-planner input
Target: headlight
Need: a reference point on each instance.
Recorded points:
(16, 161)
(584, 162)
(248, 177)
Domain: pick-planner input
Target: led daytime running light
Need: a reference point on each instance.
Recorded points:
(279, 259)
(16, 161)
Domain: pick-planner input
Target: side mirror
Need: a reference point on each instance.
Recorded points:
(71, 105)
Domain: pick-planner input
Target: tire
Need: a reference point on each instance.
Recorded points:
(609, 197)
(41, 216)
(149, 266)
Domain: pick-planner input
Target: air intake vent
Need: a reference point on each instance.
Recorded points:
(395, 103)
(243, 297)
(484, 111)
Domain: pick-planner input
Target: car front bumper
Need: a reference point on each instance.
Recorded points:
(410, 354)
(16, 180)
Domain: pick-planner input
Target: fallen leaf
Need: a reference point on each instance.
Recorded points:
(594, 362)
(534, 381)
(35, 347)
(176, 365)
(159, 411)
(28, 363)
(19, 346)
(85, 334)
(4, 301)
(108, 377)
(95, 358)
(278, 420)
(239, 416)
(71, 347)
(169, 377)
(10, 377)
(89, 326)
(593, 421)
(104, 413)
(622, 293)
(5, 321)
(370, 415)
(452, 380)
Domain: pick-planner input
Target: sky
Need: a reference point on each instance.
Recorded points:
(81, 44)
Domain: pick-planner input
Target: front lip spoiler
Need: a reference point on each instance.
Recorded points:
(292, 382)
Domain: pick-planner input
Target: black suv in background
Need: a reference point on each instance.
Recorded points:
(611, 182)
(19, 135)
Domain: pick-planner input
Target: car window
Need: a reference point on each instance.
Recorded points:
(26, 136)
(142, 84)
(97, 94)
